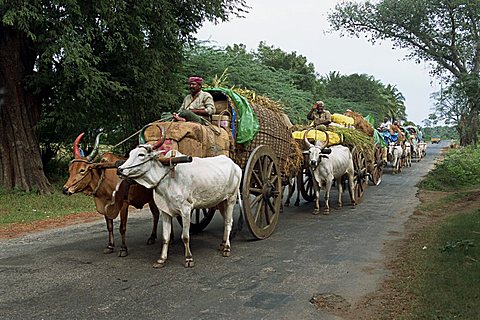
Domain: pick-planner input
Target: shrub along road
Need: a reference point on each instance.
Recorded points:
(332, 260)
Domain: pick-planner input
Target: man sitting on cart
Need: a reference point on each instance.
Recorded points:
(385, 125)
(198, 105)
(387, 133)
(319, 115)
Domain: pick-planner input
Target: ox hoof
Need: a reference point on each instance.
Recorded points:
(151, 240)
(189, 264)
(326, 212)
(226, 253)
(108, 250)
(123, 253)
(159, 264)
(315, 212)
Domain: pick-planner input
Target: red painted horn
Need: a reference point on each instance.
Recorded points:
(160, 141)
(76, 150)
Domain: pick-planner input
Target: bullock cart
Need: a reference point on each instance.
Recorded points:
(256, 137)
(414, 136)
(366, 153)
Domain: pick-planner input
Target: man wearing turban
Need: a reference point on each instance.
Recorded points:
(198, 105)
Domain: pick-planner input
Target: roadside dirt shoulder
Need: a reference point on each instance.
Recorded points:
(18, 229)
(393, 297)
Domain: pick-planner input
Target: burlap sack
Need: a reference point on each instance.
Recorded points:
(190, 138)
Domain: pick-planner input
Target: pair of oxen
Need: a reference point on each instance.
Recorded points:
(172, 184)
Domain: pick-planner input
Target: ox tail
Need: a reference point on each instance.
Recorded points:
(240, 202)
(239, 226)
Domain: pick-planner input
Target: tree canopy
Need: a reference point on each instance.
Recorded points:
(86, 64)
(442, 33)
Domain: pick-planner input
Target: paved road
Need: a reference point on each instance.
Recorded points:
(63, 274)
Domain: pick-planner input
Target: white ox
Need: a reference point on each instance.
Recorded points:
(203, 183)
(408, 154)
(422, 149)
(395, 153)
(326, 168)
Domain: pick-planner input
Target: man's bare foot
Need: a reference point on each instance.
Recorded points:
(178, 118)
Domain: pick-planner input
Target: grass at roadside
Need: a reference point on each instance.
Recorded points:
(20, 207)
(445, 271)
(439, 270)
(459, 170)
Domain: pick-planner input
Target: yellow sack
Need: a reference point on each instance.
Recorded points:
(343, 119)
(333, 137)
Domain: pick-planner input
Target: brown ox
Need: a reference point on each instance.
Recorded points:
(100, 180)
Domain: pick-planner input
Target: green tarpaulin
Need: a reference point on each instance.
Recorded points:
(248, 125)
(370, 120)
(378, 138)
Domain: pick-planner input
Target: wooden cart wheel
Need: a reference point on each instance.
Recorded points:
(376, 175)
(360, 178)
(261, 192)
(199, 219)
(305, 182)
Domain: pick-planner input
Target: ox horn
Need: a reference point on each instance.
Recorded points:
(141, 135)
(160, 141)
(324, 144)
(94, 152)
(76, 150)
(306, 139)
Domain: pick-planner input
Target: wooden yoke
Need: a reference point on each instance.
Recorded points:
(172, 161)
(175, 160)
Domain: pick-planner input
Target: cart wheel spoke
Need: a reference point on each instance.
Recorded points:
(305, 182)
(360, 174)
(261, 192)
(199, 219)
(257, 178)
(376, 175)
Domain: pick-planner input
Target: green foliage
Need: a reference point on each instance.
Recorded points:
(103, 65)
(246, 71)
(289, 78)
(449, 282)
(462, 245)
(366, 95)
(459, 170)
(442, 33)
(444, 132)
(302, 71)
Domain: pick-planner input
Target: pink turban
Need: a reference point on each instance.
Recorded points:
(195, 79)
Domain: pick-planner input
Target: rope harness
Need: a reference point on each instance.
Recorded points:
(151, 157)
(89, 170)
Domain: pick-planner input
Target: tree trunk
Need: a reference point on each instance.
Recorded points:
(20, 161)
(474, 122)
(469, 125)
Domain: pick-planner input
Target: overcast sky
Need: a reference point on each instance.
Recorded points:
(300, 26)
